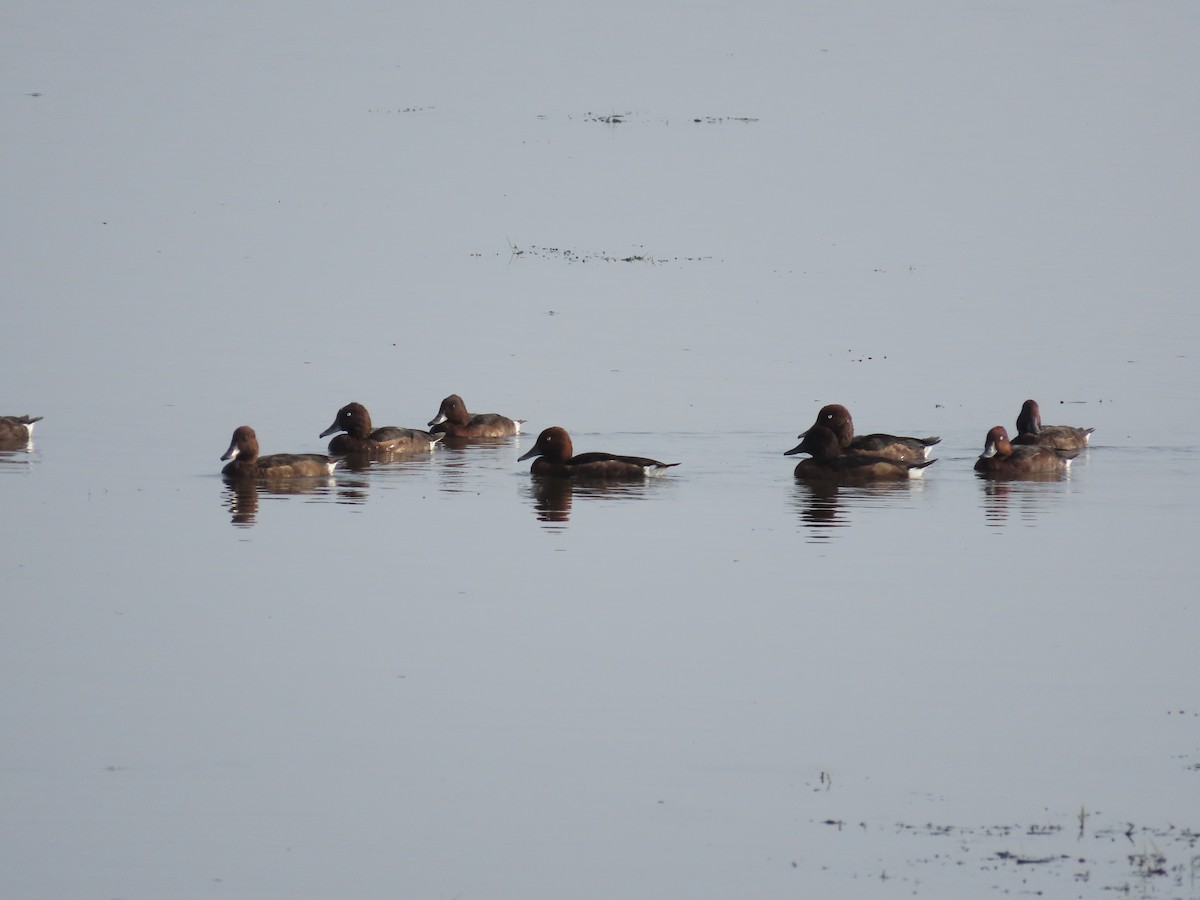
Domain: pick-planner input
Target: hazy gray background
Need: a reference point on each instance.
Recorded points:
(418, 682)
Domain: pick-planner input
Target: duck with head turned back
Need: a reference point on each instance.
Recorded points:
(454, 421)
(1001, 458)
(16, 431)
(557, 459)
(246, 463)
(1031, 431)
(830, 463)
(837, 419)
(358, 437)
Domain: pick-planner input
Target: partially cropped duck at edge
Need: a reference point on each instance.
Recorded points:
(453, 420)
(1030, 430)
(837, 419)
(1001, 458)
(358, 437)
(16, 431)
(830, 463)
(557, 459)
(246, 463)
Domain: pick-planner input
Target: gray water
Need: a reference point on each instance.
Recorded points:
(676, 230)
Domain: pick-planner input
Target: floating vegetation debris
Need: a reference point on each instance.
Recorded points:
(621, 118)
(1021, 860)
(404, 109)
(1122, 857)
(717, 120)
(638, 255)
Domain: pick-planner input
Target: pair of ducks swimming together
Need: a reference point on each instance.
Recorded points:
(836, 453)
(1036, 450)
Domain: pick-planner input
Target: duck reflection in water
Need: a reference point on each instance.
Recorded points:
(1024, 500)
(241, 495)
(360, 461)
(553, 497)
(818, 506)
(824, 505)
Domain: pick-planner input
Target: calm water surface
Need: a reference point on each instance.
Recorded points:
(440, 677)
